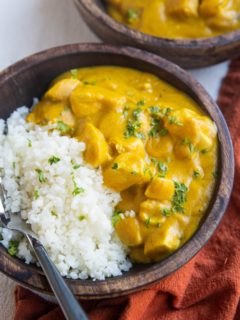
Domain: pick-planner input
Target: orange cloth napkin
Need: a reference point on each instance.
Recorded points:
(206, 288)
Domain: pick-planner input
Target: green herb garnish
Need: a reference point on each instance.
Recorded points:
(163, 132)
(132, 127)
(173, 120)
(41, 176)
(53, 160)
(166, 212)
(116, 217)
(147, 222)
(53, 213)
(132, 15)
(89, 83)
(154, 109)
(140, 103)
(13, 247)
(36, 194)
(125, 112)
(204, 151)
(136, 113)
(63, 127)
(196, 173)
(188, 143)
(29, 143)
(77, 190)
(74, 73)
(81, 218)
(179, 197)
(115, 166)
(163, 168)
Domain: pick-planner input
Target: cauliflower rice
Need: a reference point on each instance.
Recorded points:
(62, 198)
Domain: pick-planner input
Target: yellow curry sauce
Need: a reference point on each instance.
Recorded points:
(153, 144)
(178, 18)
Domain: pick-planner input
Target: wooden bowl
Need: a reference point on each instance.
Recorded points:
(31, 77)
(186, 53)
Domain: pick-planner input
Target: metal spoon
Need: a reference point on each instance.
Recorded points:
(69, 305)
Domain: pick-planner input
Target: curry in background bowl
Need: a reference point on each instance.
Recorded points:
(178, 19)
(192, 34)
(163, 100)
(154, 146)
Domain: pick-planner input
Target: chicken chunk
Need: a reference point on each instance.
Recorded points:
(160, 189)
(47, 112)
(96, 152)
(153, 212)
(125, 171)
(159, 147)
(166, 239)
(219, 14)
(61, 90)
(128, 230)
(87, 100)
(182, 8)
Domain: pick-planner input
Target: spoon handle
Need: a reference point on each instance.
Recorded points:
(68, 303)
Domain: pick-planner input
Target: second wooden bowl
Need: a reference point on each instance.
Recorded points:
(186, 53)
(31, 77)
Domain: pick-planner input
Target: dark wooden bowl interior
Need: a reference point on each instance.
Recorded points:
(192, 53)
(31, 77)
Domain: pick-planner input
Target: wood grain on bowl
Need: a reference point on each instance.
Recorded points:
(30, 78)
(194, 53)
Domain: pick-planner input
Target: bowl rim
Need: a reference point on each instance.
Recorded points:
(125, 284)
(147, 39)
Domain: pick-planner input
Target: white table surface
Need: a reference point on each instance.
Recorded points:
(28, 26)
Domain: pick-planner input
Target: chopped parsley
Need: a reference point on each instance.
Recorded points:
(116, 217)
(75, 165)
(53, 160)
(125, 112)
(77, 190)
(140, 103)
(13, 247)
(115, 166)
(14, 165)
(81, 218)
(204, 151)
(74, 73)
(29, 143)
(89, 83)
(166, 212)
(53, 213)
(163, 168)
(196, 173)
(132, 15)
(154, 109)
(41, 176)
(188, 143)
(147, 222)
(166, 111)
(179, 197)
(155, 127)
(36, 194)
(173, 120)
(136, 113)
(132, 127)
(62, 127)
(163, 132)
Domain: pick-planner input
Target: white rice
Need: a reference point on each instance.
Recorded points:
(76, 230)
